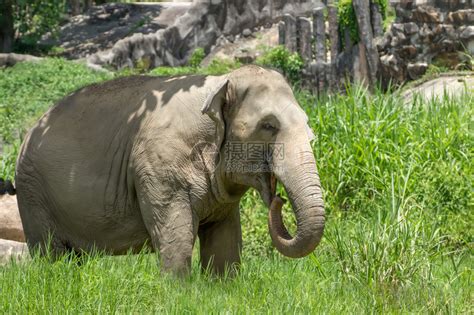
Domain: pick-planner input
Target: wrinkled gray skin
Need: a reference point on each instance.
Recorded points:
(112, 167)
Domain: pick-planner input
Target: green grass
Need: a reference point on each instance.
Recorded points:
(398, 192)
(133, 284)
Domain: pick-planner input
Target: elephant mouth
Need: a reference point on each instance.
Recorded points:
(268, 191)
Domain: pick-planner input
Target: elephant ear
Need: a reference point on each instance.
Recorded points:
(213, 107)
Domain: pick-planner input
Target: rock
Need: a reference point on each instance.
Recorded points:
(333, 35)
(461, 17)
(411, 28)
(392, 69)
(425, 30)
(416, 70)
(445, 29)
(306, 39)
(431, 30)
(467, 33)
(9, 60)
(11, 250)
(245, 58)
(398, 40)
(382, 42)
(427, 14)
(252, 46)
(402, 14)
(319, 34)
(199, 24)
(10, 221)
(247, 32)
(408, 52)
(290, 32)
(231, 38)
(362, 10)
(414, 39)
(436, 88)
(397, 28)
(377, 21)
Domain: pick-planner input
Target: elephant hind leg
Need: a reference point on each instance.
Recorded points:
(221, 244)
(40, 233)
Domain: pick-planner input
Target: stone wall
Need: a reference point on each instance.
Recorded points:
(204, 22)
(425, 32)
(328, 51)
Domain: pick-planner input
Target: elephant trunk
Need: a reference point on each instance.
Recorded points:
(298, 174)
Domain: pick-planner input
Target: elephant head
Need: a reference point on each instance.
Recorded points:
(264, 137)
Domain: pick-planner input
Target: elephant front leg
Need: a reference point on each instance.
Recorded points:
(173, 231)
(221, 244)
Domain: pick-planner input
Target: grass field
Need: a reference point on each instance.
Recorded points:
(399, 233)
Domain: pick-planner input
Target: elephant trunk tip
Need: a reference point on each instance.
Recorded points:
(309, 232)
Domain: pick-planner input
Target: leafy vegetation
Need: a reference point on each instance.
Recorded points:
(347, 18)
(398, 193)
(35, 18)
(291, 64)
(197, 57)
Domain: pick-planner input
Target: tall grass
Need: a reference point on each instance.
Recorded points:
(398, 193)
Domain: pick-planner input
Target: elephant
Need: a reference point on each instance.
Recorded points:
(157, 162)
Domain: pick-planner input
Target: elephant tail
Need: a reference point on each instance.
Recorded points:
(6, 187)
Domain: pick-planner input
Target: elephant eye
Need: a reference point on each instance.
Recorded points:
(268, 126)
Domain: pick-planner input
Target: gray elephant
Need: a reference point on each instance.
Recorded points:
(150, 161)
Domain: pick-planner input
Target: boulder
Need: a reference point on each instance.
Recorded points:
(245, 57)
(392, 68)
(427, 14)
(11, 250)
(247, 32)
(10, 221)
(461, 17)
(9, 60)
(467, 33)
(408, 52)
(416, 70)
(467, 36)
(411, 28)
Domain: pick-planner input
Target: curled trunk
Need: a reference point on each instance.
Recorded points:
(304, 191)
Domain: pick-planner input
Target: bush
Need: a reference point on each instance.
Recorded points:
(197, 57)
(347, 20)
(291, 64)
(36, 18)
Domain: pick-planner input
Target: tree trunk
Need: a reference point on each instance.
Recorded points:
(75, 7)
(7, 32)
(87, 5)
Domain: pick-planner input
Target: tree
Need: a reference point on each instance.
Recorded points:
(75, 6)
(7, 32)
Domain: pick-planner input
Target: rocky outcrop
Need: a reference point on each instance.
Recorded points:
(10, 221)
(200, 26)
(9, 60)
(102, 26)
(423, 33)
